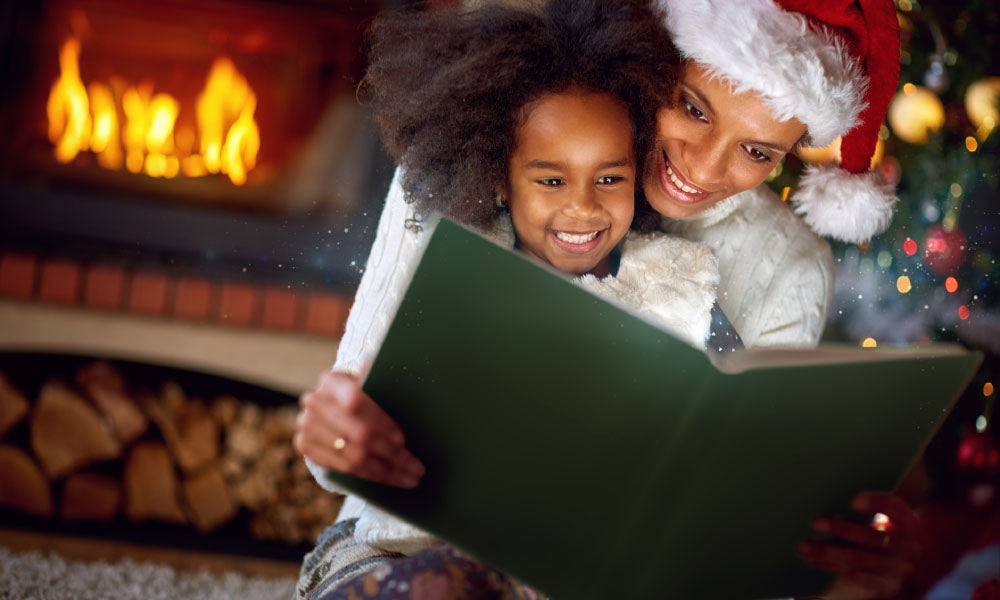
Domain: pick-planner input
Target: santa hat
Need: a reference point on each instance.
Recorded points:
(832, 64)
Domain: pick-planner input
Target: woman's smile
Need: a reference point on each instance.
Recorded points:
(675, 185)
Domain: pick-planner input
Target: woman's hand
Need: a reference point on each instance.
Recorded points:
(339, 427)
(874, 563)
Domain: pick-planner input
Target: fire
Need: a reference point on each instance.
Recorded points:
(139, 131)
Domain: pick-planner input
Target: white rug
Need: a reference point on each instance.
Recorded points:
(36, 576)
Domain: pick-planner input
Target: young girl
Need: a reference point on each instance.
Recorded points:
(530, 127)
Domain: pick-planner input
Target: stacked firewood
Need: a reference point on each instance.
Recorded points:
(173, 458)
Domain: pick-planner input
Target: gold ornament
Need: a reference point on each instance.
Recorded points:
(831, 153)
(981, 104)
(820, 155)
(915, 113)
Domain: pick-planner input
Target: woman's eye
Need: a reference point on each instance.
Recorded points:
(551, 181)
(694, 111)
(757, 155)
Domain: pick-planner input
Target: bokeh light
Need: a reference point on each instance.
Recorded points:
(903, 284)
(869, 342)
(910, 247)
(951, 284)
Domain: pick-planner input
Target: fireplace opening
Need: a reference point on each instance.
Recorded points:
(154, 455)
(188, 193)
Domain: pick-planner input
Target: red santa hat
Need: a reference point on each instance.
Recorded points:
(832, 64)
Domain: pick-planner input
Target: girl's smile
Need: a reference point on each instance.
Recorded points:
(579, 243)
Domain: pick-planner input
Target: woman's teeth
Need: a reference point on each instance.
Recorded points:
(680, 184)
(571, 238)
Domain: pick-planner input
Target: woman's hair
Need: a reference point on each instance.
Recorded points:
(448, 88)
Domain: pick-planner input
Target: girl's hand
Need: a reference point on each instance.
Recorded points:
(339, 427)
(875, 564)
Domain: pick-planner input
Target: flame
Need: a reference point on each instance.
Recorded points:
(68, 108)
(227, 105)
(106, 137)
(142, 137)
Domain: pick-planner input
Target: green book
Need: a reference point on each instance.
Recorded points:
(590, 454)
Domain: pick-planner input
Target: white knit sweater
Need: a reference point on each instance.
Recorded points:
(670, 280)
(775, 274)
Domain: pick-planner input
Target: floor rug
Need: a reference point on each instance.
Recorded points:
(37, 576)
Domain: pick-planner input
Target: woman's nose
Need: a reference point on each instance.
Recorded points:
(705, 161)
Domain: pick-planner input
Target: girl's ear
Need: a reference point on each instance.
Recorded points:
(500, 199)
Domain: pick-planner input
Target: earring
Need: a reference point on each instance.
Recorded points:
(499, 200)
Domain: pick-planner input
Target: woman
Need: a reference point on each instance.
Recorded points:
(738, 112)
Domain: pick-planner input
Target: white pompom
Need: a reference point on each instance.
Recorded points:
(844, 206)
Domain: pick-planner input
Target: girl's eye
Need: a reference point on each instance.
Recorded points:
(610, 179)
(551, 181)
(757, 155)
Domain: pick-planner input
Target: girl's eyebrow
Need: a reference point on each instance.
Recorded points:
(609, 164)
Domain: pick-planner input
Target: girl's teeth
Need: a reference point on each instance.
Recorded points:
(576, 239)
(679, 183)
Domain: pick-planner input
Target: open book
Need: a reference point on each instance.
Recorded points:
(590, 454)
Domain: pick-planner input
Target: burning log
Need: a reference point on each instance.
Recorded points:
(151, 488)
(66, 433)
(90, 497)
(22, 485)
(13, 406)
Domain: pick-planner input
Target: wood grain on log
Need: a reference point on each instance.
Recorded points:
(22, 485)
(191, 434)
(109, 392)
(13, 406)
(151, 488)
(66, 433)
(208, 500)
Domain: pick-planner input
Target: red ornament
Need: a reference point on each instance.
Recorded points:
(978, 454)
(891, 169)
(988, 591)
(944, 251)
(910, 247)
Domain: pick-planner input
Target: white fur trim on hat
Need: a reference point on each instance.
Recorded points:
(837, 204)
(757, 46)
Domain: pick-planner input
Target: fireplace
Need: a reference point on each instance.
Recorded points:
(188, 192)
(217, 102)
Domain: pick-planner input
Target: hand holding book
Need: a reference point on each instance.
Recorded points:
(340, 427)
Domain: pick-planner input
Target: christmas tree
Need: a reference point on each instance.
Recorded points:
(934, 274)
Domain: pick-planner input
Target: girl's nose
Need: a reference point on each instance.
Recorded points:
(582, 202)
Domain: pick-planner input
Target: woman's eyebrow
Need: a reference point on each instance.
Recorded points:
(775, 147)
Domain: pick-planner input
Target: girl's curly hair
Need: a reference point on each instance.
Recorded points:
(448, 88)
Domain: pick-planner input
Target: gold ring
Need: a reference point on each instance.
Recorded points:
(339, 443)
(885, 541)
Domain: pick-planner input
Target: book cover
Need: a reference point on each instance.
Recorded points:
(590, 454)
